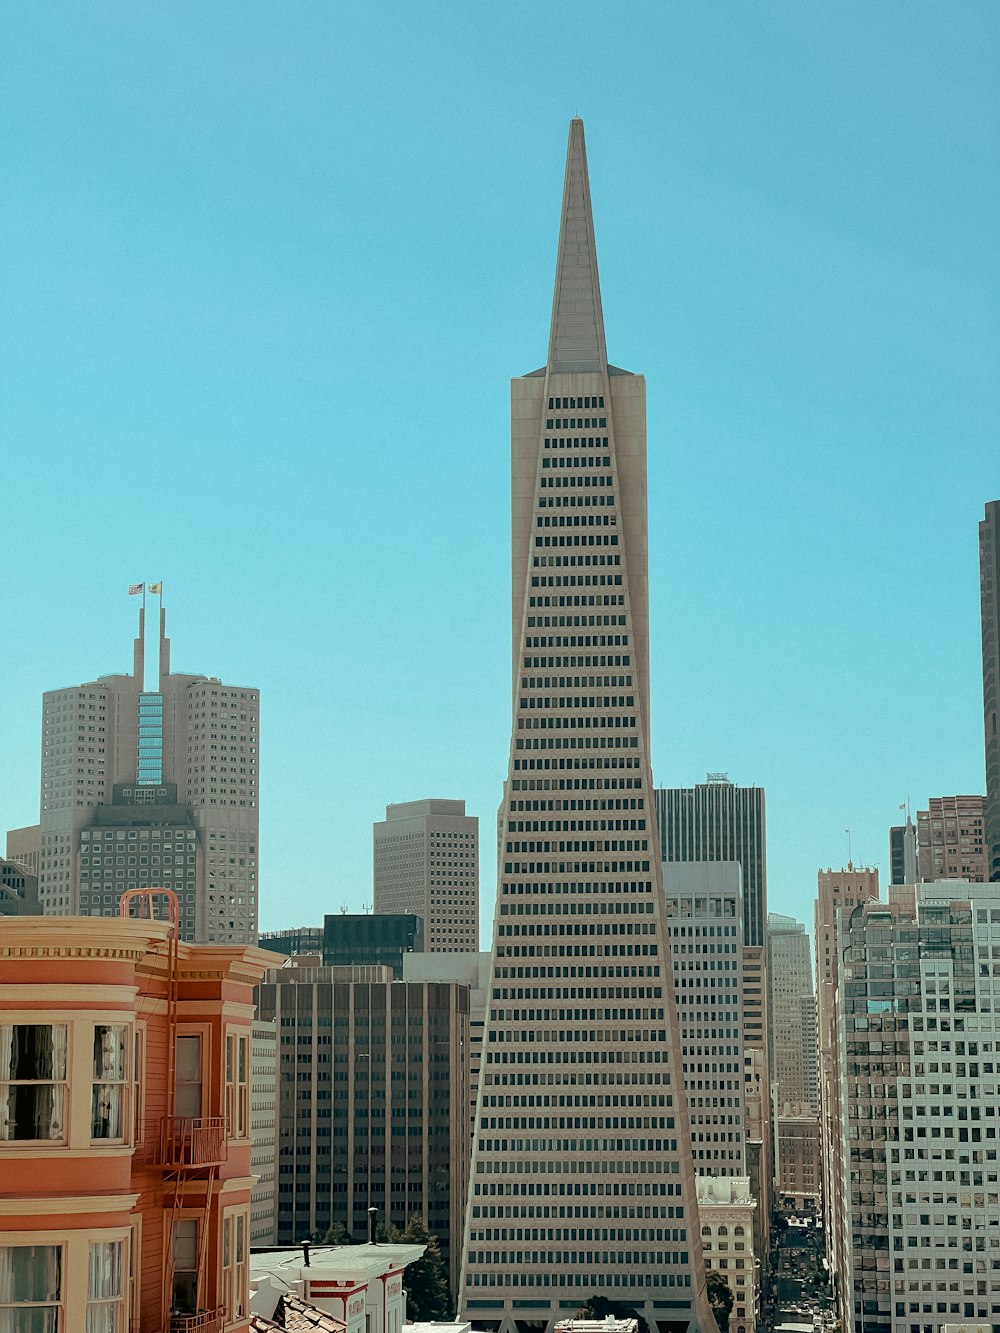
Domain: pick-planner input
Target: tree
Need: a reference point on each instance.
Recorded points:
(720, 1298)
(335, 1234)
(599, 1307)
(425, 1280)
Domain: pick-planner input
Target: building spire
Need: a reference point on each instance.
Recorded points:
(576, 340)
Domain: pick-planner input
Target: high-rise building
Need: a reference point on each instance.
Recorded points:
(373, 1101)
(149, 787)
(363, 940)
(582, 1179)
(718, 821)
(951, 839)
(425, 859)
(903, 853)
(24, 845)
(989, 589)
(792, 1013)
(297, 940)
(705, 920)
(839, 892)
(918, 1085)
(264, 1133)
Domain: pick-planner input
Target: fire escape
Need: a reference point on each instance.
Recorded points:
(189, 1150)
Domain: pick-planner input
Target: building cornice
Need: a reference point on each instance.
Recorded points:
(78, 1203)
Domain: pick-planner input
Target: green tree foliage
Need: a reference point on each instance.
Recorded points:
(425, 1281)
(720, 1298)
(335, 1234)
(599, 1307)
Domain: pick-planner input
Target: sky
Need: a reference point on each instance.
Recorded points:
(268, 270)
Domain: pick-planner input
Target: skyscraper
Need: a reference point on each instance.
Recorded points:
(989, 589)
(792, 1012)
(373, 1102)
(425, 860)
(918, 1086)
(149, 786)
(718, 821)
(951, 839)
(581, 1180)
(903, 853)
(838, 893)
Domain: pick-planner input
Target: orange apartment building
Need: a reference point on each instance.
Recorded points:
(125, 1175)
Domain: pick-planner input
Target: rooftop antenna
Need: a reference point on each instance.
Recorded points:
(850, 858)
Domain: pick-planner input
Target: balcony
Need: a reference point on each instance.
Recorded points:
(205, 1321)
(188, 1142)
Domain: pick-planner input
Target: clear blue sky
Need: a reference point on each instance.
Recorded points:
(267, 269)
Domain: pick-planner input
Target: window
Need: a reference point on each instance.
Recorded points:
(185, 1284)
(187, 1095)
(106, 1287)
(138, 1083)
(32, 1081)
(30, 1288)
(107, 1114)
(238, 1085)
(235, 1278)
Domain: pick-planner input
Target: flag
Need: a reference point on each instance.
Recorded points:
(135, 588)
(156, 587)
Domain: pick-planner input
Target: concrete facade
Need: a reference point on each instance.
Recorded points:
(718, 821)
(582, 1179)
(793, 1044)
(152, 787)
(373, 1101)
(838, 893)
(264, 1133)
(951, 839)
(705, 920)
(918, 1082)
(798, 1158)
(425, 861)
(24, 845)
(727, 1212)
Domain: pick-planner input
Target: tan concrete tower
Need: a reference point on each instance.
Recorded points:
(581, 1181)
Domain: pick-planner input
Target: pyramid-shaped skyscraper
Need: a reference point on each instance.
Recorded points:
(581, 1179)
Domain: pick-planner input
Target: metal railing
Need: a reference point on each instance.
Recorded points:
(193, 1142)
(205, 1321)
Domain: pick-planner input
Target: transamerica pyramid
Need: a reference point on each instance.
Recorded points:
(581, 1180)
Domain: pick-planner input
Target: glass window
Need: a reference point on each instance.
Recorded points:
(110, 1075)
(106, 1287)
(30, 1288)
(32, 1081)
(185, 1266)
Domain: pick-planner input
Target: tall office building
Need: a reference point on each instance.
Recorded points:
(373, 1101)
(792, 1013)
(152, 786)
(582, 1180)
(705, 921)
(918, 1082)
(718, 821)
(903, 853)
(951, 839)
(989, 590)
(838, 893)
(425, 861)
(296, 940)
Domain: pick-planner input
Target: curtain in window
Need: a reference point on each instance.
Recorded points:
(105, 1287)
(6, 1061)
(108, 1099)
(29, 1273)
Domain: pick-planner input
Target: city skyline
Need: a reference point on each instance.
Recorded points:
(819, 321)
